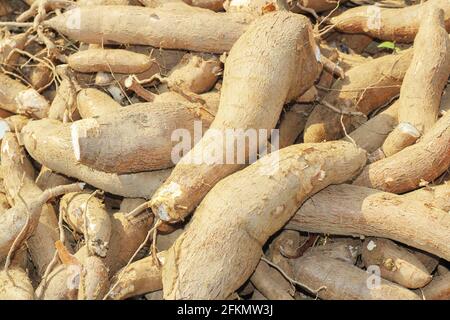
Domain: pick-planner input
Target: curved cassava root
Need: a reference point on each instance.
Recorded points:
(86, 214)
(406, 170)
(247, 103)
(17, 98)
(399, 25)
(246, 215)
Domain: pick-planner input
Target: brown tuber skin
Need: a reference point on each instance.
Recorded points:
(371, 135)
(248, 214)
(354, 210)
(399, 25)
(325, 275)
(79, 208)
(93, 103)
(365, 88)
(109, 60)
(200, 30)
(438, 289)
(140, 277)
(404, 171)
(49, 142)
(396, 263)
(94, 280)
(401, 137)
(422, 87)
(244, 96)
(103, 143)
(15, 285)
(271, 283)
(18, 177)
(17, 98)
(194, 73)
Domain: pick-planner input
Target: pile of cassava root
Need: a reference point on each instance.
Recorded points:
(120, 178)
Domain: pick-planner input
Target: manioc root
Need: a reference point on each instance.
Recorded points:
(58, 155)
(396, 263)
(400, 25)
(354, 210)
(300, 171)
(406, 170)
(238, 109)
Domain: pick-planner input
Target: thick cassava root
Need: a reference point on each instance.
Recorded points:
(256, 109)
(300, 170)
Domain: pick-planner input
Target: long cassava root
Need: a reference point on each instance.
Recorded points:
(190, 182)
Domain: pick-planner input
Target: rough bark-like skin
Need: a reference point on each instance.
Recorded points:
(109, 60)
(404, 171)
(401, 137)
(400, 25)
(422, 87)
(49, 143)
(93, 103)
(135, 138)
(16, 122)
(64, 103)
(342, 281)
(353, 210)
(371, 134)
(396, 263)
(287, 241)
(140, 277)
(19, 175)
(73, 207)
(17, 98)
(344, 249)
(8, 44)
(47, 179)
(199, 30)
(15, 285)
(195, 73)
(271, 283)
(437, 196)
(439, 288)
(258, 80)
(223, 243)
(94, 280)
(127, 235)
(61, 284)
(292, 123)
(365, 88)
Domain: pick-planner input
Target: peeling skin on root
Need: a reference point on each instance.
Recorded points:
(31, 100)
(78, 132)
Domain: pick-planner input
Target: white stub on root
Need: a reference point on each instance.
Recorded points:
(79, 130)
(409, 129)
(30, 102)
(4, 127)
(371, 245)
